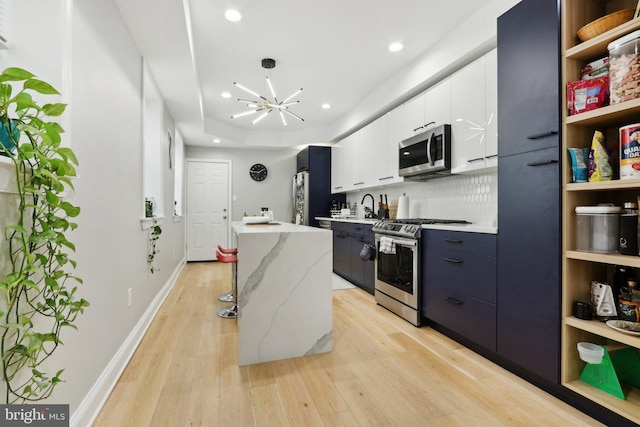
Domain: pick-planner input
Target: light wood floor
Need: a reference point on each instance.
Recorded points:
(382, 372)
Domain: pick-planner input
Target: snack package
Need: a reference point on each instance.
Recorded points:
(599, 167)
(587, 95)
(579, 164)
(597, 68)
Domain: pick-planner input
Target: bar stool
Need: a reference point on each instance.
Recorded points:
(228, 297)
(230, 312)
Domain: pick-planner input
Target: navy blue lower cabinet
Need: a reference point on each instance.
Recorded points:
(469, 317)
(341, 251)
(459, 284)
(348, 241)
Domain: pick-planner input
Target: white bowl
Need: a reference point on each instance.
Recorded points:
(590, 353)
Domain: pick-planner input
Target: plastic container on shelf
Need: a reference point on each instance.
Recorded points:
(597, 228)
(624, 68)
(590, 353)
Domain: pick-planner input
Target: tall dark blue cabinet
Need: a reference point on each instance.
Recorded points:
(317, 161)
(529, 193)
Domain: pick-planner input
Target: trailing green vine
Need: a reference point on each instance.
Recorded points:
(39, 293)
(154, 235)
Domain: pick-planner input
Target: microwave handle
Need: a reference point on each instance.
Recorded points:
(431, 161)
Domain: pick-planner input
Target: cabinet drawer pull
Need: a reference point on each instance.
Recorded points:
(542, 163)
(453, 261)
(337, 188)
(452, 241)
(492, 156)
(418, 128)
(542, 135)
(475, 160)
(386, 177)
(453, 300)
(359, 183)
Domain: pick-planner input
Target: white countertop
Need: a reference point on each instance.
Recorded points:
(274, 227)
(468, 228)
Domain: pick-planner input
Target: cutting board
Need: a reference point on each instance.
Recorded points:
(263, 223)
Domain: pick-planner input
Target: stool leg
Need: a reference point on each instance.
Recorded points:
(231, 312)
(228, 297)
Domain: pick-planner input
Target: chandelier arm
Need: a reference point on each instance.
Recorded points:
(248, 101)
(297, 92)
(273, 92)
(284, 122)
(262, 116)
(246, 113)
(249, 91)
(294, 115)
(282, 105)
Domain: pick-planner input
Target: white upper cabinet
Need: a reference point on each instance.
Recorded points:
(468, 108)
(344, 164)
(386, 152)
(491, 113)
(438, 104)
(413, 117)
(474, 96)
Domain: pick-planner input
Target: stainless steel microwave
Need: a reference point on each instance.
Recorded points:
(426, 155)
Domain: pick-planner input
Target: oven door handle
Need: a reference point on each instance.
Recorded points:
(399, 242)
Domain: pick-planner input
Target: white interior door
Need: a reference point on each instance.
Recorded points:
(208, 213)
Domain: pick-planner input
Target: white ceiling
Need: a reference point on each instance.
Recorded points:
(335, 49)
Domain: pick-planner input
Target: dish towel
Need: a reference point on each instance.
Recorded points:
(387, 246)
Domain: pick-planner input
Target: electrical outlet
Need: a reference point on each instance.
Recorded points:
(130, 297)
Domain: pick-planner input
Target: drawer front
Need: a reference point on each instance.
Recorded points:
(341, 226)
(464, 272)
(469, 317)
(469, 242)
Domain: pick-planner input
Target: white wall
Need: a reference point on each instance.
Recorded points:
(101, 78)
(275, 192)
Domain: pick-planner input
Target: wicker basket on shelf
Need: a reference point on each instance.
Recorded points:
(604, 24)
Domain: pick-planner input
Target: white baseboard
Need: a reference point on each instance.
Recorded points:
(91, 405)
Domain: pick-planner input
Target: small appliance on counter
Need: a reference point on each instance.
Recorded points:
(267, 213)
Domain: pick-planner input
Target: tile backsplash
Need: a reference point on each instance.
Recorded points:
(470, 197)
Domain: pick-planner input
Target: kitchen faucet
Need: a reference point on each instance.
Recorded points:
(369, 213)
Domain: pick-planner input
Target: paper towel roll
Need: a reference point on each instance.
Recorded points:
(403, 207)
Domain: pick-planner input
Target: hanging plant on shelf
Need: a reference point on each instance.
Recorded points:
(39, 293)
(154, 234)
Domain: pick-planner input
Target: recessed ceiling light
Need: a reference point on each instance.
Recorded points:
(225, 95)
(395, 47)
(233, 15)
(216, 141)
(326, 106)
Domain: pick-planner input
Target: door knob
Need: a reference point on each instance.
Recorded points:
(224, 217)
(224, 210)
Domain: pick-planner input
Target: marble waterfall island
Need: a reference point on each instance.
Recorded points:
(284, 291)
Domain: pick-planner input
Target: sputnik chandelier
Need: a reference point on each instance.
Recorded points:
(265, 105)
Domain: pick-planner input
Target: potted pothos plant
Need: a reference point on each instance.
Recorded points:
(39, 293)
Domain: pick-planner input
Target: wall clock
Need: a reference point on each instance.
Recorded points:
(258, 172)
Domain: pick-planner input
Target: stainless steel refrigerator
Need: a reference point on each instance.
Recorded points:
(301, 198)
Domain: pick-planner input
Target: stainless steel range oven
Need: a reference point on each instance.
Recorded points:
(397, 265)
